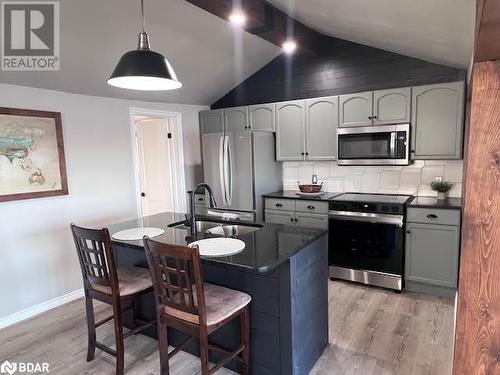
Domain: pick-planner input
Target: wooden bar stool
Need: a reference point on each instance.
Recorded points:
(184, 302)
(104, 282)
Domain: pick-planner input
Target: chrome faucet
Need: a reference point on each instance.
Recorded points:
(192, 212)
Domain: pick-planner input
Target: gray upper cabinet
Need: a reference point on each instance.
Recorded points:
(212, 121)
(437, 121)
(432, 254)
(322, 117)
(236, 119)
(392, 106)
(261, 117)
(356, 109)
(290, 123)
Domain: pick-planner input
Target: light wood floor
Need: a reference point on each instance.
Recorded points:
(372, 331)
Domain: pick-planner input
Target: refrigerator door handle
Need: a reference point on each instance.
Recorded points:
(221, 170)
(229, 172)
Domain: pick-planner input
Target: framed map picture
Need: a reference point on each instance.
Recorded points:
(32, 161)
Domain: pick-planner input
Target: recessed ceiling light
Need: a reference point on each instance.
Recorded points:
(289, 47)
(237, 19)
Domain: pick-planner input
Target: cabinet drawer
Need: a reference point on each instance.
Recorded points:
(280, 204)
(318, 221)
(433, 216)
(311, 206)
(279, 217)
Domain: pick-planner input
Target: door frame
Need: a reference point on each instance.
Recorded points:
(177, 157)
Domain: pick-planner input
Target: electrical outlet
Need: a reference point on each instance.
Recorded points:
(438, 178)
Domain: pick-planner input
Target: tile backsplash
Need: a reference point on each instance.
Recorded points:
(413, 179)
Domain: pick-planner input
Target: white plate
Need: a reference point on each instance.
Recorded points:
(137, 233)
(311, 194)
(219, 247)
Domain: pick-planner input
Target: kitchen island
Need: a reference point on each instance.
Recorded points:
(285, 271)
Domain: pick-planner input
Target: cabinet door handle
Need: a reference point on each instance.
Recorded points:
(291, 219)
(408, 232)
(278, 205)
(200, 199)
(302, 153)
(432, 216)
(311, 207)
(296, 220)
(370, 117)
(374, 117)
(307, 153)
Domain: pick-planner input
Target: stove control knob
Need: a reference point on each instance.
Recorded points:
(385, 208)
(395, 209)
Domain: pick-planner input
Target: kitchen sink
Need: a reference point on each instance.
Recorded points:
(219, 229)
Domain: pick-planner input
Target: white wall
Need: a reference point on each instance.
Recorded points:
(413, 179)
(37, 257)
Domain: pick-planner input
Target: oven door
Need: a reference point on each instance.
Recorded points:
(374, 145)
(366, 241)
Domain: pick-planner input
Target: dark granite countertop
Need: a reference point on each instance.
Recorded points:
(265, 249)
(431, 202)
(292, 194)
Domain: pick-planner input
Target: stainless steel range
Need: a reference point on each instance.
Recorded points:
(367, 238)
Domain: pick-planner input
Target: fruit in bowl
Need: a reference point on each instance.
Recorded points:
(310, 188)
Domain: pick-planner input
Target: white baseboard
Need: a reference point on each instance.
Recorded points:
(40, 308)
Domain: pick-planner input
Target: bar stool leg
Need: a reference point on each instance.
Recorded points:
(120, 349)
(89, 307)
(204, 353)
(245, 337)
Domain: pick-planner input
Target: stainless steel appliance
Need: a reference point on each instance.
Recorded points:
(240, 166)
(374, 145)
(367, 238)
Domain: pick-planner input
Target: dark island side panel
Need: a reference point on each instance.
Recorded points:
(344, 68)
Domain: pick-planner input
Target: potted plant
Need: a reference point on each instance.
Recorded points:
(442, 188)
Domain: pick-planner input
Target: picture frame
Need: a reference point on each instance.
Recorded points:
(32, 160)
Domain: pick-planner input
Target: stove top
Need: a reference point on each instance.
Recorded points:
(374, 203)
(371, 198)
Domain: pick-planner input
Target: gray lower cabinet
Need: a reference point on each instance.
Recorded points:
(322, 118)
(437, 121)
(392, 106)
(262, 117)
(432, 257)
(300, 212)
(290, 122)
(356, 109)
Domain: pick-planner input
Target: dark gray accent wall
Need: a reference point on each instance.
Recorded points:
(344, 67)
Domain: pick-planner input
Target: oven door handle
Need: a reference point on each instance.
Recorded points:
(367, 217)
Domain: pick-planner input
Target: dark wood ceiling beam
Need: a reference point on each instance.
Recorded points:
(487, 43)
(268, 22)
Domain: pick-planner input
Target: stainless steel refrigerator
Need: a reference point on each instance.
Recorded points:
(240, 166)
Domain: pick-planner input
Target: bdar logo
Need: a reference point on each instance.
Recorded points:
(8, 368)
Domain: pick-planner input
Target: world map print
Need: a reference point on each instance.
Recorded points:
(28, 155)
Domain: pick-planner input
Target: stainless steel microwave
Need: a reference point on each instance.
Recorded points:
(374, 145)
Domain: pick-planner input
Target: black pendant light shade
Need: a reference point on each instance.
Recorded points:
(143, 69)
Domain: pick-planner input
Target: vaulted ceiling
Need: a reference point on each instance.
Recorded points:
(211, 57)
(439, 31)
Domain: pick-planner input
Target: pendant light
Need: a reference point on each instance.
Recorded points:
(143, 69)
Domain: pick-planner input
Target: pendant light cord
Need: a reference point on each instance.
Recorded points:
(143, 16)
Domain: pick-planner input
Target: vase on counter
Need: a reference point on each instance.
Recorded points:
(442, 195)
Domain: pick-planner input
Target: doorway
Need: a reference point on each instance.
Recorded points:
(158, 161)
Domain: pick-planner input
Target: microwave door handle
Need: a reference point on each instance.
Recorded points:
(392, 145)
(221, 170)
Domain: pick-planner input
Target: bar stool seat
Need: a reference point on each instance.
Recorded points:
(131, 280)
(220, 302)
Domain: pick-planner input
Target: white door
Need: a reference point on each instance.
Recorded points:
(155, 161)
